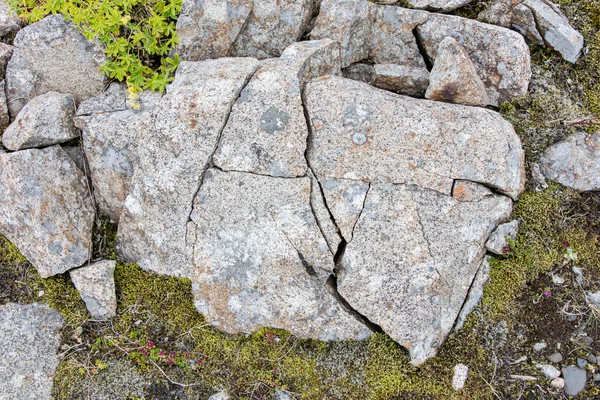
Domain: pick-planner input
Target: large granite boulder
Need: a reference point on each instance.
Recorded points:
(44, 121)
(266, 131)
(172, 158)
(574, 162)
(46, 209)
(362, 133)
(111, 128)
(29, 340)
(52, 56)
(261, 259)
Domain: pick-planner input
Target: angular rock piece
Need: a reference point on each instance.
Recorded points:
(475, 293)
(363, 133)
(361, 72)
(574, 162)
(46, 208)
(172, 157)
(412, 259)
(5, 54)
(438, 5)
(96, 285)
(110, 139)
(401, 79)
(345, 199)
(266, 131)
(453, 77)
(347, 22)
(469, 191)
(555, 29)
(272, 26)
(524, 22)
(208, 28)
(29, 340)
(323, 216)
(500, 56)
(4, 117)
(52, 56)
(261, 259)
(44, 121)
(497, 12)
(497, 241)
(9, 20)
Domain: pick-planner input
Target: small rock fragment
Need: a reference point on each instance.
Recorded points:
(498, 239)
(574, 380)
(592, 358)
(578, 274)
(524, 378)
(461, 372)
(454, 78)
(581, 363)
(558, 383)
(539, 346)
(46, 120)
(555, 357)
(596, 377)
(574, 162)
(538, 178)
(524, 22)
(557, 279)
(222, 395)
(549, 371)
(95, 283)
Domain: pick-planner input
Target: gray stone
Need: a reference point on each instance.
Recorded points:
(500, 56)
(266, 131)
(172, 157)
(454, 78)
(581, 363)
(592, 359)
(469, 191)
(555, 29)
(78, 156)
(475, 293)
(574, 380)
(412, 81)
(53, 56)
(497, 12)
(461, 373)
(111, 130)
(539, 346)
(208, 28)
(10, 22)
(261, 259)
(46, 120)
(29, 340)
(497, 241)
(537, 178)
(323, 216)
(4, 117)
(574, 162)
(96, 285)
(555, 358)
(362, 133)
(348, 22)
(523, 21)
(272, 26)
(359, 72)
(345, 199)
(407, 270)
(47, 211)
(549, 371)
(5, 55)
(438, 5)
(596, 377)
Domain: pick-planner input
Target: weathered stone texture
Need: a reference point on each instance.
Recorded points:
(438, 5)
(96, 285)
(9, 20)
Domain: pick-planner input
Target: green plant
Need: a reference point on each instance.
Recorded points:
(137, 35)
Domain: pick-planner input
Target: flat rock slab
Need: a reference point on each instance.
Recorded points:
(363, 133)
(46, 209)
(46, 120)
(96, 285)
(172, 157)
(414, 285)
(29, 340)
(574, 162)
(261, 259)
(438, 5)
(52, 56)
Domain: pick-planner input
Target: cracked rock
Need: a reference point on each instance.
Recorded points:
(53, 56)
(329, 229)
(500, 56)
(574, 162)
(401, 79)
(523, 21)
(345, 199)
(475, 293)
(362, 133)
(453, 77)
(29, 340)
(497, 241)
(44, 121)
(261, 259)
(412, 259)
(266, 131)
(111, 130)
(96, 285)
(172, 157)
(438, 5)
(46, 208)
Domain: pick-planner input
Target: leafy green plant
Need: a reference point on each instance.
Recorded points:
(137, 35)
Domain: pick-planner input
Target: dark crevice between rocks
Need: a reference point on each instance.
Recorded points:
(361, 210)
(495, 191)
(316, 10)
(214, 166)
(421, 47)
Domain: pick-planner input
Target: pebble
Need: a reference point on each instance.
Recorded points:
(592, 359)
(581, 363)
(558, 383)
(587, 340)
(461, 371)
(558, 280)
(539, 346)
(555, 358)
(596, 377)
(574, 380)
(549, 371)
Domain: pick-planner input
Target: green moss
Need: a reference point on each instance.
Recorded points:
(9, 254)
